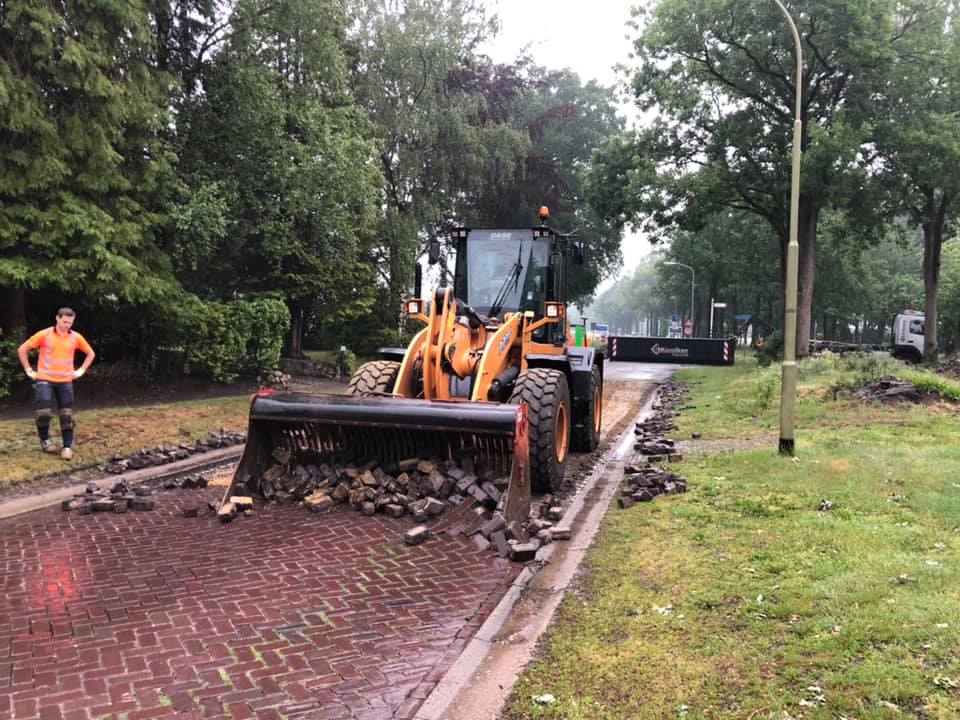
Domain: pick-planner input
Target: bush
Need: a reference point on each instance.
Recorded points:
(772, 349)
(10, 370)
(226, 340)
(346, 362)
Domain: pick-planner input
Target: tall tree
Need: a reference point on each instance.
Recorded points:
(83, 172)
(280, 163)
(440, 142)
(918, 136)
(720, 75)
(565, 121)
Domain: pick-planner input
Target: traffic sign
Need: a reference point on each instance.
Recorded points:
(720, 304)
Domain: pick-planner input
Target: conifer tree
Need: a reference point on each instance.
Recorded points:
(82, 171)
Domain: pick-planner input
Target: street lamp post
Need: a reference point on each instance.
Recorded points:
(693, 276)
(788, 385)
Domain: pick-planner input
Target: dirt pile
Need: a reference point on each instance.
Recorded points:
(950, 367)
(888, 389)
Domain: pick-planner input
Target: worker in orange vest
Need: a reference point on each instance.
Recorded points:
(55, 375)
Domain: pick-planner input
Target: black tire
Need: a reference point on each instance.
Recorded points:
(586, 438)
(378, 376)
(548, 404)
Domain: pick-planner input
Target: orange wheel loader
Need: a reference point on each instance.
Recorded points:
(497, 374)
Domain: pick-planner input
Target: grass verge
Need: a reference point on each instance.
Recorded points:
(825, 587)
(103, 432)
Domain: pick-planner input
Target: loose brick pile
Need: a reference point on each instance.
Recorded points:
(168, 452)
(645, 479)
(643, 484)
(518, 541)
(123, 497)
(465, 497)
(118, 500)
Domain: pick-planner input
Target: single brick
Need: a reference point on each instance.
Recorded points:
(416, 535)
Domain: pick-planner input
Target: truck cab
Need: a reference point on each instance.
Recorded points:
(907, 340)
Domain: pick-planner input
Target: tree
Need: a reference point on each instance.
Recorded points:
(732, 255)
(633, 303)
(720, 75)
(565, 121)
(279, 162)
(918, 137)
(83, 171)
(440, 142)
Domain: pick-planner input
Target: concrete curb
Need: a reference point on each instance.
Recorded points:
(480, 679)
(194, 463)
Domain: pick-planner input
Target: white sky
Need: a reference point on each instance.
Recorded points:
(590, 38)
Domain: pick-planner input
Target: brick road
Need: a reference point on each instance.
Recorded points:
(288, 614)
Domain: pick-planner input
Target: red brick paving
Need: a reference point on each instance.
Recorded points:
(287, 614)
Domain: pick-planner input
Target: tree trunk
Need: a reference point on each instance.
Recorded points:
(932, 243)
(296, 329)
(12, 311)
(807, 238)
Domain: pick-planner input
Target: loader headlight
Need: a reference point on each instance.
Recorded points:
(413, 307)
(553, 310)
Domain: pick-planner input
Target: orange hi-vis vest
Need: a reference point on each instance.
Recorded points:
(55, 363)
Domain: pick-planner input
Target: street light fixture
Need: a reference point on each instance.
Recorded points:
(692, 282)
(788, 384)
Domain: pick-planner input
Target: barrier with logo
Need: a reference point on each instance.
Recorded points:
(701, 351)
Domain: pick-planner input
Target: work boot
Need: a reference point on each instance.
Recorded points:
(47, 446)
(66, 454)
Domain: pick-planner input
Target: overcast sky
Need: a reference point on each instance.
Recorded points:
(588, 37)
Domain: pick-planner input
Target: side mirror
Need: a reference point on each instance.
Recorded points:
(417, 280)
(579, 252)
(433, 253)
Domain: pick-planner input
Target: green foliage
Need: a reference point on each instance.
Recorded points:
(83, 167)
(10, 370)
(837, 607)
(277, 159)
(772, 349)
(767, 388)
(447, 139)
(224, 340)
(346, 361)
(950, 296)
(930, 383)
(719, 77)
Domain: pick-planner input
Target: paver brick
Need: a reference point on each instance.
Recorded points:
(330, 616)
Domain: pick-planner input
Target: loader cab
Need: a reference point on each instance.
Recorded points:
(511, 270)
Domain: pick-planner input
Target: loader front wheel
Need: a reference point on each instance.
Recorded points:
(378, 376)
(547, 396)
(586, 438)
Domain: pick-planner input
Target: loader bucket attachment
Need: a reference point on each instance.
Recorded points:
(390, 429)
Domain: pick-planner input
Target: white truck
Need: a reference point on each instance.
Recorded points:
(907, 341)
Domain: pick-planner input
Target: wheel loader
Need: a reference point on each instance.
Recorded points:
(497, 374)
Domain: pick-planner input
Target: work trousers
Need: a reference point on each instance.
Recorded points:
(47, 392)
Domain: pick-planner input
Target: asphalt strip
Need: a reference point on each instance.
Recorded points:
(480, 679)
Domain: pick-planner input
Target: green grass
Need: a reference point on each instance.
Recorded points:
(103, 432)
(741, 599)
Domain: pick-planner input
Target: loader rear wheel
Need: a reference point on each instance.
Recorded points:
(547, 396)
(586, 438)
(378, 376)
